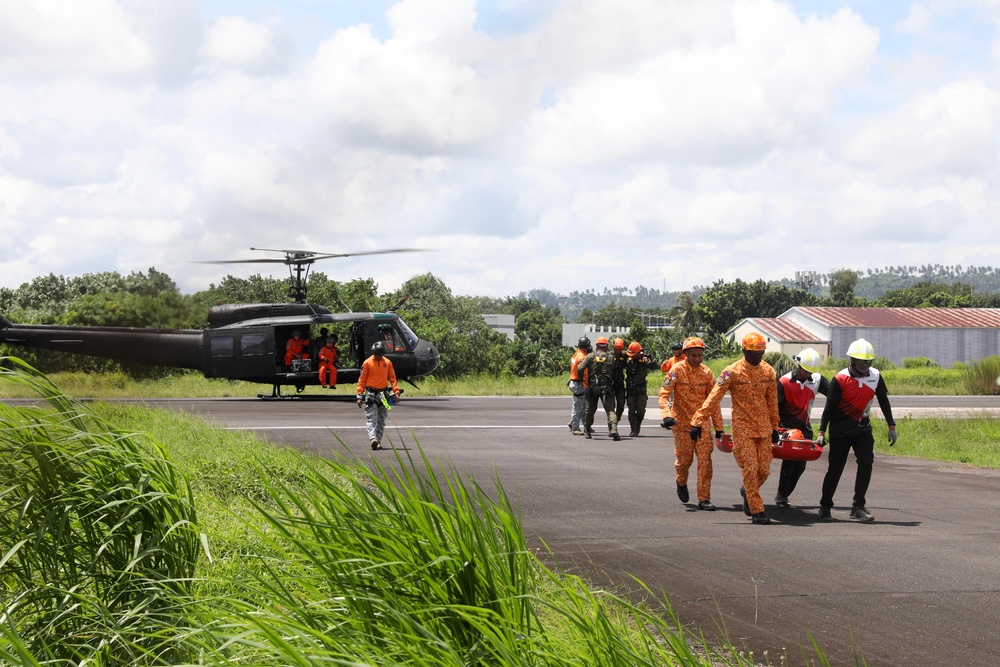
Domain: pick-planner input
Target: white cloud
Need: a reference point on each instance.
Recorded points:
(244, 44)
(765, 80)
(951, 130)
(62, 37)
(662, 142)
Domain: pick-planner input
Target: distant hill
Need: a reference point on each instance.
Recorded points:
(872, 285)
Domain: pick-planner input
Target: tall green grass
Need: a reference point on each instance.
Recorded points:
(322, 562)
(983, 377)
(101, 538)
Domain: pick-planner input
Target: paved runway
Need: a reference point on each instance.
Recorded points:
(918, 587)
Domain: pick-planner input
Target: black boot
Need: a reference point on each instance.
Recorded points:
(682, 493)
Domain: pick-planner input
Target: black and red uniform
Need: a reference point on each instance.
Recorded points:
(795, 401)
(846, 413)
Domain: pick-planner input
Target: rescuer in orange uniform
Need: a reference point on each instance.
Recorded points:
(328, 363)
(677, 354)
(753, 386)
(297, 347)
(689, 383)
(377, 374)
(578, 385)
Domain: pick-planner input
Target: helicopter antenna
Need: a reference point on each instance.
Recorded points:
(300, 262)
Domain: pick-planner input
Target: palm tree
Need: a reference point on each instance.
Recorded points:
(684, 315)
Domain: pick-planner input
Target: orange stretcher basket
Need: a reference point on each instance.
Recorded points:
(792, 446)
(786, 449)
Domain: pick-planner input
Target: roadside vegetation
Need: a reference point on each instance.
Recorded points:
(144, 537)
(974, 379)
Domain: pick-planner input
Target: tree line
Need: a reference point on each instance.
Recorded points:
(151, 299)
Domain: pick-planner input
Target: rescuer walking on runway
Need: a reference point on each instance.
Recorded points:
(599, 366)
(752, 385)
(852, 392)
(689, 383)
(578, 385)
(376, 377)
(796, 392)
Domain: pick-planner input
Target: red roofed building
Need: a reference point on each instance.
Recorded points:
(946, 335)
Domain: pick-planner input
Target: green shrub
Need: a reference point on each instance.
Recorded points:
(781, 362)
(835, 364)
(982, 378)
(920, 362)
(883, 363)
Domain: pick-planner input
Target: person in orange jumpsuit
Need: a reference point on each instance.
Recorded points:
(677, 354)
(753, 386)
(297, 347)
(328, 363)
(578, 385)
(689, 383)
(377, 374)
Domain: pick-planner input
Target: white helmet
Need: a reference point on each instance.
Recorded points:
(808, 359)
(861, 349)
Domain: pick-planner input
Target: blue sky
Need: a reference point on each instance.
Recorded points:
(555, 144)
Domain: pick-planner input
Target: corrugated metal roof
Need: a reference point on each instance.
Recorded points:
(785, 330)
(966, 318)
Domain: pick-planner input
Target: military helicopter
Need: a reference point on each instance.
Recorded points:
(247, 341)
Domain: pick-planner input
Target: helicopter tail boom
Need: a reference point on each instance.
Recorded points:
(178, 348)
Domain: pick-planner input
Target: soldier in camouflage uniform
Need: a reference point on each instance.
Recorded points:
(637, 367)
(600, 367)
(618, 349)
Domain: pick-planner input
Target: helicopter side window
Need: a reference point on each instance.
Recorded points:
(222, 346)
(252, 345)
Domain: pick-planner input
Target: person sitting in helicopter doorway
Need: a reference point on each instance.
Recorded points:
(796, 391)
(377, 375)
(296, 349)
(328, 363)
(319, 342)
(385, 335)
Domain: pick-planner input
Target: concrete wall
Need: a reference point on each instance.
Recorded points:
(502, 324)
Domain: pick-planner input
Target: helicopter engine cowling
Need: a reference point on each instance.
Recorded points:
(231, 313)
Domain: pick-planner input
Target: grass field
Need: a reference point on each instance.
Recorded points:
(919, 381)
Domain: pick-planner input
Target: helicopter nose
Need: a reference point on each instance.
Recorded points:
(429, 358)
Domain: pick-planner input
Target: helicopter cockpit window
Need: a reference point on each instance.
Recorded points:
(222, 346)
(411, 338)
(252, 345)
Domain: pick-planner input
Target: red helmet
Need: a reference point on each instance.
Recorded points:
(754, 342)
(603, 340)
(634, 348)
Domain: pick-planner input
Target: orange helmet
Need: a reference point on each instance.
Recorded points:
(754, 342)
(794, 434)
(603, 340)
(634, 348)
(693, 341)
(619, 343)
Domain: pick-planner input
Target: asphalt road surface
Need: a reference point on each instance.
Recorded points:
(920, 586)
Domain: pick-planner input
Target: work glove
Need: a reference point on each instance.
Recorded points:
(695, 433)
(719, 434)
(668, 422)
(774, 437)
(821, 440)
(892, 436)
